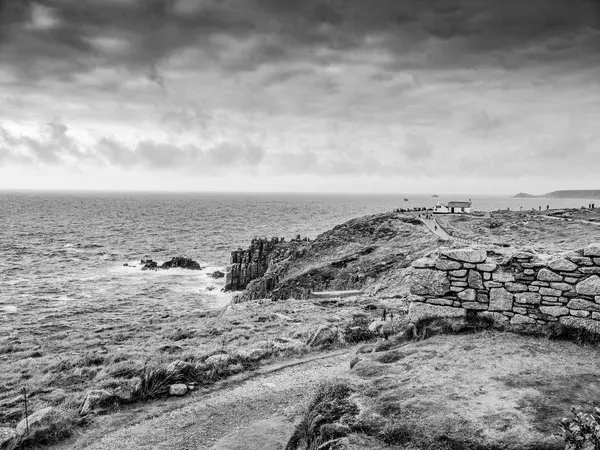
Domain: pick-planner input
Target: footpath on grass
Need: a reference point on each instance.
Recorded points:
(256, 411)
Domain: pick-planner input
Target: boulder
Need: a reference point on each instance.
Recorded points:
(418, 311)
(468, 255)
(429, 282)
(589, 286)
(562, 265)
(217, 274)
(96, 401)
(577, 322)
(500, 300)
(181, 263)
(148, 264)
(38, 419)
(178, 390)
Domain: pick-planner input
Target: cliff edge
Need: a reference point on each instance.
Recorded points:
(368, 253)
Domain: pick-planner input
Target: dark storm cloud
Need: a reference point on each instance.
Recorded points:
(61, 37)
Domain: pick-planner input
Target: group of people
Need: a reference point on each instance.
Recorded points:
(592, 206)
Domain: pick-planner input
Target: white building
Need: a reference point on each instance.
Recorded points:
(453, 208)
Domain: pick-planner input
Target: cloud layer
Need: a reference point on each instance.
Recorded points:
(327, 88)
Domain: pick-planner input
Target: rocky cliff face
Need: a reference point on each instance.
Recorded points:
(364, 253)
(252, 263)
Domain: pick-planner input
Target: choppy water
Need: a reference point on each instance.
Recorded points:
(63, 253)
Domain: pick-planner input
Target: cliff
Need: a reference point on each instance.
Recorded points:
(367, 253)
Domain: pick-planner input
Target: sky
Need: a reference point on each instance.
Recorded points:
(474, 96)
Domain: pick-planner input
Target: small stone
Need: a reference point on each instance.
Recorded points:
(456, 289)
(474, 305)
(561, 286)
(520, 319)
(458, 273)
(468, 295)
(554, 311)
(440, 301)
(533, 288)
(503, 277)
(482, 297)
(563, 265)
(469, 266)
(590, 270)
(529, 272)
(550, 292)
(515, 287)
(589, 286)
(487, 276)
(524, 255)
(579, 313)
(459, 283)
(531, 298)
(571, 280)
(519, 310)
(581, 260)
(492, 284)
(548, 275)
(178, 390)
(540, 283)
(487, 267)
(500, 300)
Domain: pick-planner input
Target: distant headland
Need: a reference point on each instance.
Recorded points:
(591, 193)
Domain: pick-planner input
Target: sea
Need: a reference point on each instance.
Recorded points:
(72, 252)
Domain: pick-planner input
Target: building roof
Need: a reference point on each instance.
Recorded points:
(459, 204)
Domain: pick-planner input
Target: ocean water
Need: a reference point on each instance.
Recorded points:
(64, 253)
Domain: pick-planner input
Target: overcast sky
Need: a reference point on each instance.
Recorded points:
(474, 96)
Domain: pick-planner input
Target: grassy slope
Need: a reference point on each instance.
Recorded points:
(533, 229)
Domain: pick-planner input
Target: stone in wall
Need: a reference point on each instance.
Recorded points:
(468, 255)
(500, 300)
(577, 322)
(589, 286)
(563, 265)
(592, 250)
(430, 282)
(548, 275)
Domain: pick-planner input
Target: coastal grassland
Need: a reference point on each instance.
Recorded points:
(543, 231)
(488, 390)
(58, 369)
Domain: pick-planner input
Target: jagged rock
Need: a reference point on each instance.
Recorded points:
(148, 264)
(180, 262)
(7, 436)
(469, 255)
(178, 390)
(500, 300)
(217, 274)
(429, 282)
(418, 311)
(589, 286)
(39, 419)
(96, 401)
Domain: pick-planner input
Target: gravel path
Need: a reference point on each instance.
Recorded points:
(273, 398)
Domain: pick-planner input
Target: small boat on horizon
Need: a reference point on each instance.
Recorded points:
(435, 196)
(405, 199)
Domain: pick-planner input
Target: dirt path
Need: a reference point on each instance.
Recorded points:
(436, 229)
(256, 414)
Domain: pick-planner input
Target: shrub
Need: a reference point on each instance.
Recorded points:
(582, 431)
(358, 330)
(581, 336)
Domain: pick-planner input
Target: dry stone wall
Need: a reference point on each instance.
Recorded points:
(516, 287)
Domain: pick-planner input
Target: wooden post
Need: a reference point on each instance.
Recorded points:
(24, 390)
